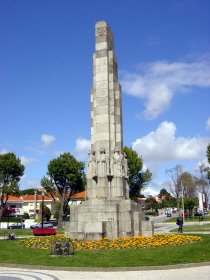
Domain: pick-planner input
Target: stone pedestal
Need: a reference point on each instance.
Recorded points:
(147, 228)
(98, 218)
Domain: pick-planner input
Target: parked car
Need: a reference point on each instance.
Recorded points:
(197, 214)
(168, 214)
(184, 215)
(205, 211)
(16, 225)
(39, 225)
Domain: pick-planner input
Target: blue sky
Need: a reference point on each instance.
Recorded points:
(163, 51)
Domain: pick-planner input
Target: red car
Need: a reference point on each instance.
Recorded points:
(185, 215)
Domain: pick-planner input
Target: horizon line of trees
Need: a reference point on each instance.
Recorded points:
(65, 177)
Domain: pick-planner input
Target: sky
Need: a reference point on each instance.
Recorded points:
(46, 72)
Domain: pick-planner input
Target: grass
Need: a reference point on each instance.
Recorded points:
(194, 228)
(22, 232)
(187, 220)
(196, 252)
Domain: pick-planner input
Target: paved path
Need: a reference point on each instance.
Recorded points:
(191, 273)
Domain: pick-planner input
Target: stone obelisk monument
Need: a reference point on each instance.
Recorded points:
(107, 211)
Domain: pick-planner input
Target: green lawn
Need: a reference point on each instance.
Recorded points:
(22, 232)
(196, 252)
(194, 228)
(187, 220)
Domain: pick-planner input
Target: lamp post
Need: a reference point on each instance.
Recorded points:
(182, 201)
(42, 208)
(35, 203)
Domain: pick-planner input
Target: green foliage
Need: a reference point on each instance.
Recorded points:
(166, 199)
(11, 171)
(48, 184)
(47, 212)
(57, 209)
(27, 191)
(164, 193)
(10, 219)
(137, 178)
(189, 204)
(208, 157)
(188, 184)
(208, 153)
(26, 216)
(65, 177)
(151, 203)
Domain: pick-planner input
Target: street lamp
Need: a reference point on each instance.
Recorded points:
(182, 200)
(42, 208)
(35, 203)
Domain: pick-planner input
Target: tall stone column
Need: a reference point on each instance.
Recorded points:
(107, 211)
(106, 116)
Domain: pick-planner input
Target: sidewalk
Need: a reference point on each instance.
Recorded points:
(183, 272)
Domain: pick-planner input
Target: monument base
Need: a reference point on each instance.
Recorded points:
(98, 218)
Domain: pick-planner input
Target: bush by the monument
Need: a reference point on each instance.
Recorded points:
(10, 219)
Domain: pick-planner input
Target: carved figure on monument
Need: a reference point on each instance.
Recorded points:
(125, 167)
(117, 163)
(91, 165)
(103, 164)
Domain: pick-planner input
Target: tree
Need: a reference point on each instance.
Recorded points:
(151, 203)
(208, 153)
(166, 199)
(189, 204)
(188, 185)
(57, 210)
(65, 176)
(208, 158)
(175, 175)
(47, 212)
(11, 171)
(164, 193)
(137, 179)
(49, 186)
(27, 191)
(202, 182)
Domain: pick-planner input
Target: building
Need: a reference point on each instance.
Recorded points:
(77, 198)
(31, 203)
(14, 205)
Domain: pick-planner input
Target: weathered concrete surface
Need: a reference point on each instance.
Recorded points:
(108, 211)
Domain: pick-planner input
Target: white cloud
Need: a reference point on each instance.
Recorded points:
(47, 139)
(81, 148)
(159, 81)
(29, 184)
(27, 161)
(3, 151)
(26, 183)
(162, 145)
(208, 124)
(150, 191)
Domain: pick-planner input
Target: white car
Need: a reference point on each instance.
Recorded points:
(39, 225)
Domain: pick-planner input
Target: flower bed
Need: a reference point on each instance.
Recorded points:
(158, 240)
